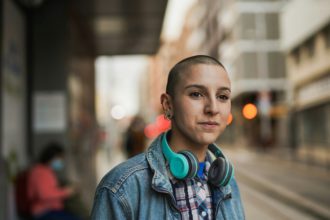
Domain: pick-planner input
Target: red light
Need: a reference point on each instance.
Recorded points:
(154, 129)
(150, 131)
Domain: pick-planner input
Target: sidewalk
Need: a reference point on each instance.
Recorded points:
(304, 187)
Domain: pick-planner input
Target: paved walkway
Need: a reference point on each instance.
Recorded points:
(295, 184)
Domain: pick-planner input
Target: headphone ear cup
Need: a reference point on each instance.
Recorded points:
(179, 166)
(193, 163)
(220, 172)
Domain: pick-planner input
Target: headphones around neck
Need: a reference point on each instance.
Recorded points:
(184, 164)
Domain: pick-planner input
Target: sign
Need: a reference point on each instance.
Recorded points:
(49, 112)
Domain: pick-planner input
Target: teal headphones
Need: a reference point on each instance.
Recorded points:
(184, 164)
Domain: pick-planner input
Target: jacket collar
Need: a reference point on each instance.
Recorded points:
(157, 163)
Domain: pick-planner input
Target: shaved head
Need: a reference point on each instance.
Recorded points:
(183, 66)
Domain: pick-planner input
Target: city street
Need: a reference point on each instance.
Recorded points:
(258, 205)
(274, 188)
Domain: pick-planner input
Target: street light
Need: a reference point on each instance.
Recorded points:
(249, 111)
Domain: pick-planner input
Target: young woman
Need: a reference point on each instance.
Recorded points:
(183, 175)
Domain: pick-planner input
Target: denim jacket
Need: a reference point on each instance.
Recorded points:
(140, 189)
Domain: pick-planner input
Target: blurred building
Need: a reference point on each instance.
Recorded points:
(47, 80)
(47, 91)
(249, 46)
(306, 41)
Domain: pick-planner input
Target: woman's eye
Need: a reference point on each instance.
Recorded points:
(196, 94)
(223, 97)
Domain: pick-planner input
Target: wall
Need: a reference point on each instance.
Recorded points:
(13, 152)
(300, 18)
(50, 67)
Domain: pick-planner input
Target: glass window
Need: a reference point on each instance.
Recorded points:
(237, 69)
(247, 26)
(296, 55)
(327, 36)
(310, 47)
(272, 26)
(276, 65)
(249, 60)
(314, 127)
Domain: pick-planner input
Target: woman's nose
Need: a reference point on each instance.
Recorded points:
(211, 107)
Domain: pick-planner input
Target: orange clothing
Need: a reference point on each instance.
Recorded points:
(44, 193)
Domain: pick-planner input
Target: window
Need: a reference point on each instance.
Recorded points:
(314, 128)
(327, 36)
(237, 69)
(250, 67)
(276, 65)
(272, 26)
(296, 55)
(247, 26)
(310, 47)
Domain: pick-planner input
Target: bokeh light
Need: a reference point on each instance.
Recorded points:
(249, 111)
(154, 129)
(118, 112)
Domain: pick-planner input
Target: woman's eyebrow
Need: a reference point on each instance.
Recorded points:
(195, 86)
(224, 89)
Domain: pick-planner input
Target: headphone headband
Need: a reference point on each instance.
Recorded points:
(167, 151)
(216, 151)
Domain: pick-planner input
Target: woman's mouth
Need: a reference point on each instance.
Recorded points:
(209, 125)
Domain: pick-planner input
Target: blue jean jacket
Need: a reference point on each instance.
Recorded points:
(140, 189)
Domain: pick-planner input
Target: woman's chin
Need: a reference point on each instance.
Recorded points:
(207, 138)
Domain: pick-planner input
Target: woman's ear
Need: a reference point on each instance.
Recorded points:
(166, 102)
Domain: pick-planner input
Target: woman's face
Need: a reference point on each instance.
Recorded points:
(201, 105)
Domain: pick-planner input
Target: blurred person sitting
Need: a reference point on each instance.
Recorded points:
(45, 195)
(135, 138)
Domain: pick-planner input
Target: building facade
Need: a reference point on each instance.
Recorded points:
(306, 41)
(245, 36)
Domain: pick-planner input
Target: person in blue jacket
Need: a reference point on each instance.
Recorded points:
(183, 174)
